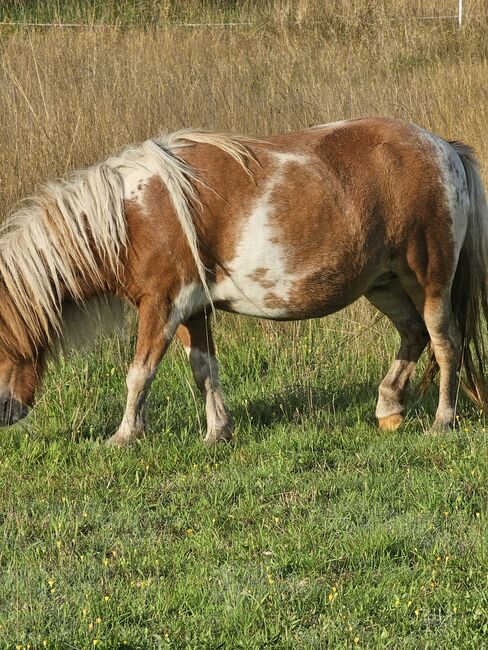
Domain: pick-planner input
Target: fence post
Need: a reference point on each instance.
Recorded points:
(460, 13)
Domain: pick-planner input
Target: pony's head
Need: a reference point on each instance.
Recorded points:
(19, 380)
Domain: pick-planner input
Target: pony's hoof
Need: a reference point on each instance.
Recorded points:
(119, 441)
(213, 437)
(440, 427)
(390, 422)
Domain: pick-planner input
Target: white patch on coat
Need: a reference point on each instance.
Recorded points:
(258, 252)
(289, 157)
(190, 300)
(454, 183)
(331, 125)
(134, 183)
(136, 166)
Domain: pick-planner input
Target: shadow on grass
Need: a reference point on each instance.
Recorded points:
(297, 403)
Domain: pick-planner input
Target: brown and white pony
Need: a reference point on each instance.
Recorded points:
(295, 226)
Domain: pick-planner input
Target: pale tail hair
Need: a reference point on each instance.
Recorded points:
(47, 248)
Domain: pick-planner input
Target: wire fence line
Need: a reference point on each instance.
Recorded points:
(459, 16)
(213, 24)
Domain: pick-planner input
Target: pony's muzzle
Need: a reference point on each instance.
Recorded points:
(11, 411)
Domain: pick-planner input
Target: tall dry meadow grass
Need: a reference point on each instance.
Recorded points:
(69, 97)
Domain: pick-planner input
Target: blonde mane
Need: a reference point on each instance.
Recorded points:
(55, 245)
(47, 253)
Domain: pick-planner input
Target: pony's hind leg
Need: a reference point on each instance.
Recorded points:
(196, 337)
(394, 302)
(153, 338)
(446, 343)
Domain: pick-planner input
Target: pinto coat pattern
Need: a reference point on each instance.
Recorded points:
(293, 226)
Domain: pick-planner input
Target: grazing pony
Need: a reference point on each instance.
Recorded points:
(296, 226)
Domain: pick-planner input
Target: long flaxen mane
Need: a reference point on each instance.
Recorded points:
(75, 230)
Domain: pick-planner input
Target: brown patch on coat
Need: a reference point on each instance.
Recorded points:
(158, 261)
(259, 276)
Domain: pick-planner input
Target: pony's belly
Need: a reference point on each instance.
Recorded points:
(246, 308)
(290, 299)
(251, 299)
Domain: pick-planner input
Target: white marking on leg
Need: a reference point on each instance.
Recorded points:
(138, 380)
(206, 373)
(392, 387)
(446, 343)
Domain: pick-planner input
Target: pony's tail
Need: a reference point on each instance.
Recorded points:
(469, 294)
(470, 287)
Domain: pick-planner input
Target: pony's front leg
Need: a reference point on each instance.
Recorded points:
(196, 336)
(153, 337)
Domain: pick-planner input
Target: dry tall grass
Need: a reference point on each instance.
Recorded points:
(70, 97)
(162, 12)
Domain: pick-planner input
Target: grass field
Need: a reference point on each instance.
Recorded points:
(312, 529)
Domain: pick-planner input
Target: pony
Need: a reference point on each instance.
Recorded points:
(295, 226)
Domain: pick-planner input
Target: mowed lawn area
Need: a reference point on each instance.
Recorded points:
(312, 528)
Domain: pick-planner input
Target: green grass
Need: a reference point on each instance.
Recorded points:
(312, 529)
